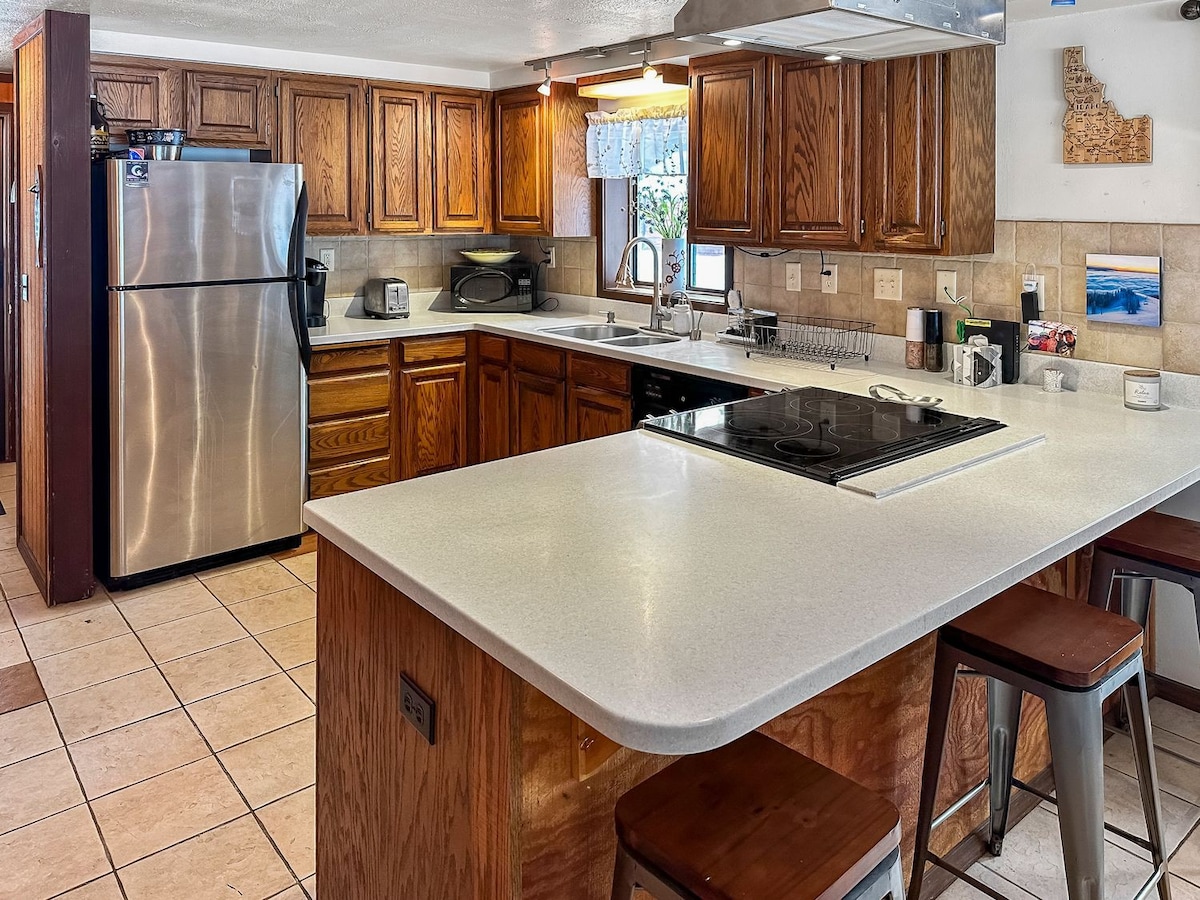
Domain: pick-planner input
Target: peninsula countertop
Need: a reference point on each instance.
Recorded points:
(676, 598)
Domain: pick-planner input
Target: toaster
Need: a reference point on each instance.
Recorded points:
(386, 298)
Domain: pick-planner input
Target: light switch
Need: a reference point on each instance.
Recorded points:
(889, 284)
(793, 276)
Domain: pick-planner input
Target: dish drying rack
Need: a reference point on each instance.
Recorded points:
(805, 338)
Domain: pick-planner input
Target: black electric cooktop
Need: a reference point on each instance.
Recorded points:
(822, 434)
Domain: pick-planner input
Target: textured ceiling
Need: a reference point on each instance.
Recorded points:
(479, 35)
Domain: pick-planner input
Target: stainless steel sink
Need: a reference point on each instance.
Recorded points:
(641, 340)
(592, 332)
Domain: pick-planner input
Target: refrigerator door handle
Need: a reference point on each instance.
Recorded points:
(296, 241)
(296, 278)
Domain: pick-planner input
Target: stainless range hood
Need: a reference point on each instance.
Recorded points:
(855, 29)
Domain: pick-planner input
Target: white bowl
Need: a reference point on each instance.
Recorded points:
(489, 256)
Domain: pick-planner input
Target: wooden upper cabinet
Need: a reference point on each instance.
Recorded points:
(725, 171)
(462, 173)
(813, 159)
(229, 108)
(541, 182)
(322, 126)
(137, 93)
(401, 172)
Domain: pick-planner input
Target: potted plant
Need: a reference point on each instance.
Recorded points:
(666, 213)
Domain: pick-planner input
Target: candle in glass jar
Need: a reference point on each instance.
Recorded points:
(1143, 389)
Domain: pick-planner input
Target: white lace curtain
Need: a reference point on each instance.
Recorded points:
(635, 142)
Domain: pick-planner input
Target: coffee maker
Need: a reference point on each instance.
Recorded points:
(314, 291)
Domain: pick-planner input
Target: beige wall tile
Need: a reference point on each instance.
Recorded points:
(27, 732)
(166, 809)
(235, 859)
(918, 285)
(93, 664)
(1092, 344)
(183, 637)
(994, 284)
(36, 788)
(125, 756)
(1073, 289)
(1181, 348)
(276, 610)
(57, 854)
(293, 645)
(1039, 243)
(276, 764)
(211, 672)
(111, 704)
(1082, 238)
(1137, 239)
(1181, 298)
(77, 630)
(1005, 244)
(292, 823)
(1132, 346)
(246, 712)
(1181, 248)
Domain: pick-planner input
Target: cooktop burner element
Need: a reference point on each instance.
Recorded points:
(822, 434)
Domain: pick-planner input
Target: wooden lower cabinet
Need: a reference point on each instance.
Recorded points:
(539, 411)
(593, 413)
(495, 427)
(433, 418)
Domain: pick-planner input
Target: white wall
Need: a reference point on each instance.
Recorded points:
(1149, 58)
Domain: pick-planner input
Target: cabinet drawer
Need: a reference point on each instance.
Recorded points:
(493, 348)
(536, 358)
(353, 476)
(348, 439)
(348, 395)
(432, 349)
(598, 372)
(348, 359)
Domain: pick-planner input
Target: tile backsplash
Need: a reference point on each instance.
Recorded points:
(992, 285)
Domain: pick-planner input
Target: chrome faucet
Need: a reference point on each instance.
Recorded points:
(625, 280)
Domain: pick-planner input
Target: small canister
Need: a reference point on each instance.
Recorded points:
(934, 350)
(1143, 389)
(914, 338)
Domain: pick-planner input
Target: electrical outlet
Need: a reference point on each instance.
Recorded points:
(328, 257)
(793, 276)
(889, 284)
(552, 263)
(946, 281)
(829, 282)
(417, 707)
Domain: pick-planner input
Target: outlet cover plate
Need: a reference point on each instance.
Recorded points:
(418, 708)
(829, 282)
(793, 276)
(889, 284)
(552, 262)
(328, 257)
(946, 281)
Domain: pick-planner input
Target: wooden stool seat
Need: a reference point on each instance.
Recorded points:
(757, 820)
(1056, 641)
(1158, 538)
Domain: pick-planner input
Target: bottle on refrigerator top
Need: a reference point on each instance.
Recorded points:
(99, 129)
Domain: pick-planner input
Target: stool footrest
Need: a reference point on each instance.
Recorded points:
(964, 876)
(962, 801)
(1119, 832)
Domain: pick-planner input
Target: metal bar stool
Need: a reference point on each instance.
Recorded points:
(755, 819)
(1074, 657)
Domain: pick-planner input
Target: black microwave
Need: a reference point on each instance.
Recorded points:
(506, 287)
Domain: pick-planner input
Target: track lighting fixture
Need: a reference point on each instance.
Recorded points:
(544, 88)
(648, 71)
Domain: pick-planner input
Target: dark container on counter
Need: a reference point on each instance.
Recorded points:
(934, 349)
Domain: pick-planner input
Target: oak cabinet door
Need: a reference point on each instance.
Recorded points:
(725, 172)
(433, 419)
(523, 202)
(401, 174)
(322, 126)
(903, 109)
(227, 108)
(495, 426)
(539, 410)
(813, 155)
(137, 94)
(593, 413)
(461, 168)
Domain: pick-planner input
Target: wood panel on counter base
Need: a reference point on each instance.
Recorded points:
(496, 810)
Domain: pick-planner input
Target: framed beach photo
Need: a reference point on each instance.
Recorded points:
(1124, 290)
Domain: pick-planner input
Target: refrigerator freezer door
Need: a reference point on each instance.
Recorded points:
(197, 222)
(207, 420)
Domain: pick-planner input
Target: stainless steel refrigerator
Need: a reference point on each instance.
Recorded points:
(206, 354)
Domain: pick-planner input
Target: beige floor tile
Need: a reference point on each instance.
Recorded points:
(233, 861)
(228, 568)
(276, 764)
(1178, 777)
(17, 583)
(245, 584)
(177, 602)
(310, 886)
(105, 888)
(111, 704)
(27, 732)
(36, 788)
(8, 537)
(11, 561)
(292, 645)
(292, 824)
(276, 610)
(303, 567)
(33, 609)
(56, 855)
(292, 893)
(12, 649)
(1123, 808)
(93, 664)
(246, 712)
(1166, 716)
(120, 597)
(155, 814)
(76, 630)
(191, 635)
(7, 622)
(960, 890)
(306, 677)
(1186, 861)
(125, 756)
(213, 671)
